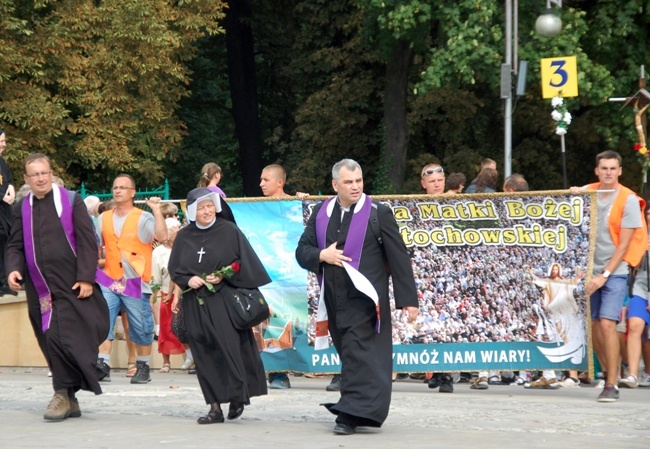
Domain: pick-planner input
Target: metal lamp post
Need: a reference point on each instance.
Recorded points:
(548, 25)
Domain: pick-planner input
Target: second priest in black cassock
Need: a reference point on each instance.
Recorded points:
(338, 243)
(228, 363)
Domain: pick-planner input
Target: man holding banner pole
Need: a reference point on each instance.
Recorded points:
(272, 181)
(621, 241)
(128, 232)
(353, 244)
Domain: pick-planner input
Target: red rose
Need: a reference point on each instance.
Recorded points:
(637, 146)
(235, 266)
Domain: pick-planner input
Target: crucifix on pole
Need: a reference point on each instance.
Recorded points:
(640, 101)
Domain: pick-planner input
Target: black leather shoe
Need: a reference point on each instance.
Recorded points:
(446, 384)
(103, 370)
(142, 375)
(235, 411)
(344, 429)
(435, 381)
(335, 384)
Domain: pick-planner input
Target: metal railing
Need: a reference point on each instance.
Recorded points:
(140, 195)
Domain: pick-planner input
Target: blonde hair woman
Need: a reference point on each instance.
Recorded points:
(210, 178)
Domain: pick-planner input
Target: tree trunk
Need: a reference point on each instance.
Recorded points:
(395, 100)
(243, 92)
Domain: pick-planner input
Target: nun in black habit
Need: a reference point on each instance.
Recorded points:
(228, 363)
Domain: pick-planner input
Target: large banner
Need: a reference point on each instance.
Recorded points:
(500, 280)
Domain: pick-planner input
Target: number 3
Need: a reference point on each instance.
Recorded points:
(559, 71)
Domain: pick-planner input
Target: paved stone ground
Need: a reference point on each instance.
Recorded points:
(162, 414)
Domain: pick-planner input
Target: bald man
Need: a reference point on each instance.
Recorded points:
(272, 181)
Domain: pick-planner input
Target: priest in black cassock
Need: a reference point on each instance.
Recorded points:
(228, 363)
(353, 260)
(52, 247)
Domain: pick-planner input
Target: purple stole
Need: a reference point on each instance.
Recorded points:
(64, 211)
(352, 249)
(131, 287)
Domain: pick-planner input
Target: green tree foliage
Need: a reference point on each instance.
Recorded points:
(339, 82)
(332, 68)
(210, 127)
(468, 52)
(96, 85)
(399, 29)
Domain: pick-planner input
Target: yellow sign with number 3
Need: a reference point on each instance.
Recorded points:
(559, 77)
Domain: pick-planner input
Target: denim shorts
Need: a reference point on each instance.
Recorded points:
(138, 313)
(622, 323)
(638, 308)
(606, 302)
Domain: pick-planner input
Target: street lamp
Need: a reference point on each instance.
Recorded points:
(548, 25)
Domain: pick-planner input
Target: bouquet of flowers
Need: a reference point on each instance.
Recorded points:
(225, 272)
(561, 115)
(643, 156)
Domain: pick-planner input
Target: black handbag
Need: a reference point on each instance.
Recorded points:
(178, 324)
(246, 307)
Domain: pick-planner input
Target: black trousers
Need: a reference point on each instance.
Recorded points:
(4, 237)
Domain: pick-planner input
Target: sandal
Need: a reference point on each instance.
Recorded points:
(165, 368)
(131, 369)
(236, 409)
(213, 417)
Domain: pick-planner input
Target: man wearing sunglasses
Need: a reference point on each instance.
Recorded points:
(433, 179)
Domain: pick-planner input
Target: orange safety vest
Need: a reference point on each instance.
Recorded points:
(639, 243)
(127, 245)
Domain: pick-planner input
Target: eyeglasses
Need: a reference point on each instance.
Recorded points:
(116, 188)
(39, 175)
(432, 171)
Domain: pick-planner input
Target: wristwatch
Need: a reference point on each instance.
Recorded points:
(606, 274)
